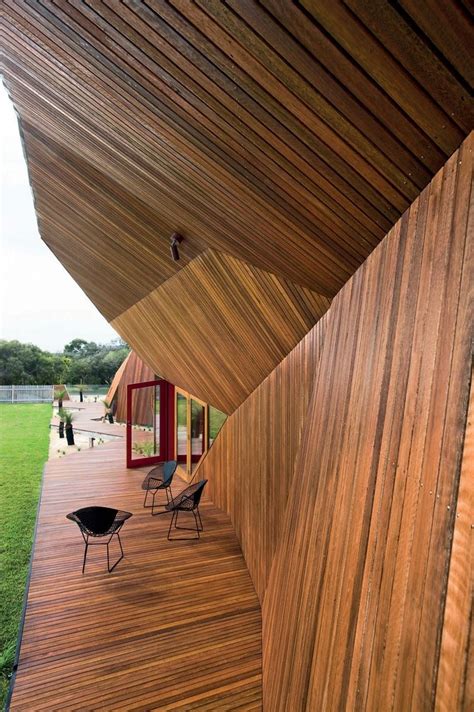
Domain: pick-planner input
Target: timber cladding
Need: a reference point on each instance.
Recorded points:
(220, 326)
(348, 530)
(291, 135)
(132, 370)
(250, 466)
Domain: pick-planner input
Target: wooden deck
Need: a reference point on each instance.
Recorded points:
(176, 626)
(88, 417)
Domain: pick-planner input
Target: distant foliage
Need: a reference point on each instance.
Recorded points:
(81, 362)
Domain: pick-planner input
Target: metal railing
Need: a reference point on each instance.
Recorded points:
(26, 394)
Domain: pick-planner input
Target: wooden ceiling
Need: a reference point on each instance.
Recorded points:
(289, 135)
(220, 326)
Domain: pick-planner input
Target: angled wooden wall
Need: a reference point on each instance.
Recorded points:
(113, 388)
(220, 326)
(455, 683)
(361, 607)
(251, 464)
(132, 370)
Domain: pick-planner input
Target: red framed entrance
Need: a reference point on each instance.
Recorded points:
(150, 415)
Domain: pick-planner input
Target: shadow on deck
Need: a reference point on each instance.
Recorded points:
(176, 626)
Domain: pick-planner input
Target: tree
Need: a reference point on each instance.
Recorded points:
(82, 362)
(26, 364)
(75, 347)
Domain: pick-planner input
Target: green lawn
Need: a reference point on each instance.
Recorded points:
(24, 441)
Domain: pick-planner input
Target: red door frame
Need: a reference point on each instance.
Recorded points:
(166, 423)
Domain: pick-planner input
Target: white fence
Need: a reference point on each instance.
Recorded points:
(26, 394)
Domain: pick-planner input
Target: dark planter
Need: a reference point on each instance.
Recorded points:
(69, 435)
(60, 403)
(61, 429)
(110, 417)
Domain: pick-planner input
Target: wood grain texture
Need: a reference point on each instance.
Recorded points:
(290, 135)
(219, 327)
(370, 516)
(251, 464)
(111, 393)
(454, 689)
(341, 475)
(132, 370)
(176, 625)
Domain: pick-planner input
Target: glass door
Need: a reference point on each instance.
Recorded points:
(146, 423)
(198, 430)
(191, 429)
(181, 426)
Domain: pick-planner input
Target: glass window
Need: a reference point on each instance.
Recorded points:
(216, 421)
(181, 425)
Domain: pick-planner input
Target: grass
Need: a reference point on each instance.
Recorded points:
(24, 441)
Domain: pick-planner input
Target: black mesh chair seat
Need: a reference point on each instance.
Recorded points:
(159, 478)
(187, 501)
(100, 522)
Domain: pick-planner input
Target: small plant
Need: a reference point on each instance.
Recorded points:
(68, 417)
(108, 411)
(146, 449)
(60, 396)
(61, 422)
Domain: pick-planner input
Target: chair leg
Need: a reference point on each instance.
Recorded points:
(200, 520)
(171, 524)
(159, 505)
(86, 541)
(121, 553)
(198, 528)
(145, 505)
(197, 525)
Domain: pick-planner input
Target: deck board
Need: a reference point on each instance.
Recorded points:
(176, 625)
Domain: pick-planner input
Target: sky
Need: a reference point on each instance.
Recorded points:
(39, 301)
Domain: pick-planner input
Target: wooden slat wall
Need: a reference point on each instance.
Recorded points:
(132, 370)
(354, 609)
(371, 514)
(251, 464)
(219, 327)
(175, 626)
(455, 683)
(291, 135)
(116, 379)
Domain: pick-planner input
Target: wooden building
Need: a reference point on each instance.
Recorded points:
(132, 370)
(316, 159)
(178, 426)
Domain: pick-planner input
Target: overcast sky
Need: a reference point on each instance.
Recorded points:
(39, 302)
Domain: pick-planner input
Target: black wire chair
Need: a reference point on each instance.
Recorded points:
(159, 478)
(187, 501)
(97, 522)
